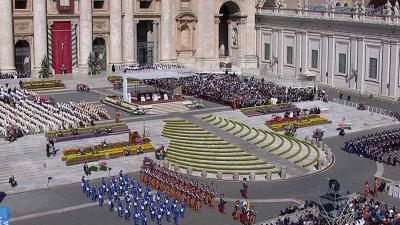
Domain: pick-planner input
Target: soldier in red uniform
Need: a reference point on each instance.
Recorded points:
(245, 187)
(222, 202)
(117, 116)
(376, 186)
(366, 190)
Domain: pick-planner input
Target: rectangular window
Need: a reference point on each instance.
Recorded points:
(98, 4)
(314, 59)
(144, 4)
(289, 55)
(342, 63)
(373, 68)
(267, 49)
(20, 4)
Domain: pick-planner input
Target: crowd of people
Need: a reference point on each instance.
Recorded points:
(22, 113)
(231, 89)
(381, 147)
(130, 200)
(156, 66)
(13, 75)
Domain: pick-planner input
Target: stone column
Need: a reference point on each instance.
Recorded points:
(155, 41)
(304, 52)
(125, 88)
(166, 30)
(135, 23)
(353, 61)
(259, 46)
(331, 59)
(216, 40)
(394, 65)
(39, 32)
(128, 33)
(280, 51)
(115, 32)
(360, 64)
(7, 59)
(324, 58)
(85, 32)
(385, 67)
(297, 59)
(274, 46)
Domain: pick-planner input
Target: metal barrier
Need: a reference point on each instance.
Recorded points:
(371, 109)
(293, 216)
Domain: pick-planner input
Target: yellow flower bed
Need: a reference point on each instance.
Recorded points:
(72, 159)
(303, 123)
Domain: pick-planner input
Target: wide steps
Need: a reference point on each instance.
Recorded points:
(296, 151)
(203, 150)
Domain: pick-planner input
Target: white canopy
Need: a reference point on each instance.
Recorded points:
(155, 74)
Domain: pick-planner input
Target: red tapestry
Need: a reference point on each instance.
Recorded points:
(61, 45)
(65, 6)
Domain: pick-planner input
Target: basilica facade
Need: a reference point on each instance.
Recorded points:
(340, 43)
(197, 33)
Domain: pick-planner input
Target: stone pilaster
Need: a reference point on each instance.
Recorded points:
(166, 30)
(324, 58)
(115, 32)
(331, 59)
(39, 32)
(85, 32)
(7, 62)
(385, 67)
(394, 68)
(297, 59)
(304, 52)
(280, 51)
(128, 33)
(353, 62)
(155, 41)
(360, 63)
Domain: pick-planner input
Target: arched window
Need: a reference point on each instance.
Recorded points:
(20, 4)
(346, 4)
(338, 4)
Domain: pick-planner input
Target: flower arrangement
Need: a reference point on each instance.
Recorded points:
(115, 101)
(308, 121)
(100, 152)
(102, 165)
(40, 85)
(267, 109)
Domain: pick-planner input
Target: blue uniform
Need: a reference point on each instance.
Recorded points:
(93, 193)
(159, 216)
(127, 212)
(83, 184)
(168, 214)
(87, 189)
(176, 217)
(100, 197)
(152, 213)
(110, 204)
(182, 209)
(119, 204)
(143, 218)
(135, 217)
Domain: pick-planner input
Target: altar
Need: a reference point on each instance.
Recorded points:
(147, 74)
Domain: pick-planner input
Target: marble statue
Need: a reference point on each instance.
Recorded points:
(222, 50)
(235, 36)
(388, 7)
(396, 8)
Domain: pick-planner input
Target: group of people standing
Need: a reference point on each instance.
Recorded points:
(381, 147)
(190, 192)
(130, 200)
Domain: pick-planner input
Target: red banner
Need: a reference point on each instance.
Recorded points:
(65, 5)
(61, 45)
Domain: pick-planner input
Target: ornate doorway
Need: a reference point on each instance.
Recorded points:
(100, 51)
(62, 47)
(145, 42)
(23, 57)
(228, 44)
